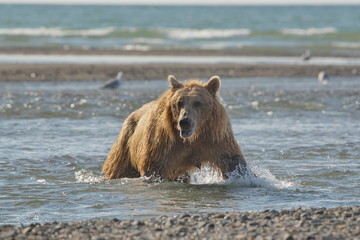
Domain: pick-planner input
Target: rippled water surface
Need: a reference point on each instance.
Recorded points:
(293, 28)
(301, 138)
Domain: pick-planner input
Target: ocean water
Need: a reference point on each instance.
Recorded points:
(292, 28)
(299, 137)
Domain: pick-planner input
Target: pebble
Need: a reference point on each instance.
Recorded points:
(333, 223)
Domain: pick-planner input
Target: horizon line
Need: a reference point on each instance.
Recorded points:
(187, 4)
(160, 3)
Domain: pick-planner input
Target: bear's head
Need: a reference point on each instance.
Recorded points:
(192, 104)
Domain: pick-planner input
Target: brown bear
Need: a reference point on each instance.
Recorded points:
(183, 129)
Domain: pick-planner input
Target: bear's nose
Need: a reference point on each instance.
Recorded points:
(185, 123)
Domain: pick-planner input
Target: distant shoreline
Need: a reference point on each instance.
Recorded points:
(93, 72)
(142, 71)
(264, 51)
(321, 223)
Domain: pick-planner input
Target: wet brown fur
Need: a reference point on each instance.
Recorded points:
(149, 143)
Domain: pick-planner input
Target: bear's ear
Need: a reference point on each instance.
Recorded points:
(213, 85)
(174, 85)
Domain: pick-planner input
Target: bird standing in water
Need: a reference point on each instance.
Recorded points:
(114, 82)
(323, 78)
(306, 55)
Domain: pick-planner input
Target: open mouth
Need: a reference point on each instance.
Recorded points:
(186, 133)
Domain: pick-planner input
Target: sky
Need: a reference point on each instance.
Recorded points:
(185, 2)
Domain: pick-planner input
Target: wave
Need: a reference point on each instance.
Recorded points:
(174, 33)
(205, 33)
(56, 32)
(308, 31)
(158, 34)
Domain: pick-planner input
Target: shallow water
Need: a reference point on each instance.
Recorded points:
(301, 138)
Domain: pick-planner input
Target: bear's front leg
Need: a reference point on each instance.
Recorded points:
(237, 163)
(234, 164)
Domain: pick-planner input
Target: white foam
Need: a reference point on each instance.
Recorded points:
(267, 180)
(56, 32)
(264, 178)
(186, 33)
(42, 181)
(87, 176)
(309, 31)
(206, 175)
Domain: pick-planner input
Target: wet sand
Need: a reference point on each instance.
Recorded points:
(332, 223)
(86, 72)
(82, 72)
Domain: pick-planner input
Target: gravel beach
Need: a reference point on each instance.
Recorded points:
(332, 223)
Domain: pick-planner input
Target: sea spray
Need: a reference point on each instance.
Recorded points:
(258, 177)
(87, 176)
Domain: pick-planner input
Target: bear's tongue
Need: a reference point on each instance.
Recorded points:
(187, 133)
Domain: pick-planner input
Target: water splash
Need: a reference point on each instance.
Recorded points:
(258, 177)
(206, 175)
(87, 176)
(266, 179)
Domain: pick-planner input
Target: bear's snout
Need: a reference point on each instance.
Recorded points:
(186, 127)
(185, 123)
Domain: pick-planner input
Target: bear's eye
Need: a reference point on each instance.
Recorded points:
(197, 104)
(180, 104)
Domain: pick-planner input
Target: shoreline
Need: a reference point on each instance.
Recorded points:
(18, 72)
(247, 51)
(319, 223)
(14, 72)
(250, 51)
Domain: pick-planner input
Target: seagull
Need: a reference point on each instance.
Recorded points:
(306, 55)
(114, 82)
(323, 78)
